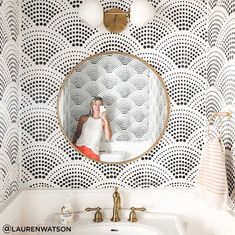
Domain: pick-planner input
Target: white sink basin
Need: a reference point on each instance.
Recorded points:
(117, 229)
(149, 223)
(115, 156)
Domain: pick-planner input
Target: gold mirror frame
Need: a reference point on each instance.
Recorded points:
(162, 84)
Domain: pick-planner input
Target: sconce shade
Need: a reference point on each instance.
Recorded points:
(141, 12)
(91, 12)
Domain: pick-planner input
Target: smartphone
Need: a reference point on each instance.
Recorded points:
(102, 109)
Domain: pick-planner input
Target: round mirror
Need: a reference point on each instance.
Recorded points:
(113, 107)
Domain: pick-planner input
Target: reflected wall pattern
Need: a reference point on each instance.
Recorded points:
(55, 39)
(127, 86)
(221, 78)
(9, 99)
(114, 81)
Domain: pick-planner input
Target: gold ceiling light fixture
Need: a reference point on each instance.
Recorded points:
(115, 20)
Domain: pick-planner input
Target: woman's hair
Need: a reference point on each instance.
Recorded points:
(93, 102)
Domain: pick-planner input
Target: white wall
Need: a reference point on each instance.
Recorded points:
(12, 212)
(32, 207)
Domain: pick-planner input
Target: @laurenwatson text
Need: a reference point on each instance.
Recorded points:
(35, 229)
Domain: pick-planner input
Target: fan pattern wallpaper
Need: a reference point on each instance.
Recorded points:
(221, 79)
(176, 43)
(55, 39)
(133, 95)
(9, 99)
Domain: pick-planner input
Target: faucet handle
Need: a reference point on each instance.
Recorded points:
(132, 216)
(98, 216)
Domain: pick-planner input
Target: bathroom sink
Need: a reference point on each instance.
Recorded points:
(118, 229)
(115, 156)
(149, 223)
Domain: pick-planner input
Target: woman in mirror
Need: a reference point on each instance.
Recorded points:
(90, 129)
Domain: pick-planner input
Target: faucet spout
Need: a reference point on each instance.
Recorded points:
(116, 205)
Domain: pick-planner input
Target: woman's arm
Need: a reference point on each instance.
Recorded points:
(107, 127)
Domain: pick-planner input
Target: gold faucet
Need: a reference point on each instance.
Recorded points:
(98, 216)
(132, 216)
(116, 205)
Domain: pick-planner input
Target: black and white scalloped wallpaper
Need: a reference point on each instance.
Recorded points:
(176, 43)
(221, 78)
(9, 99)
(55, 39)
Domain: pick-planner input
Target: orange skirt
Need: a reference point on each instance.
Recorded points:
(88, 152)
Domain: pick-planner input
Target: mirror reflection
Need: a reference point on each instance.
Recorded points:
(113, 107)
(90, 128)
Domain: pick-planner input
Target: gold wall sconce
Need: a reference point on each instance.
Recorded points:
(115, 20)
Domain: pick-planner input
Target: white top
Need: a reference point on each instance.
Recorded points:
(91, 134)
